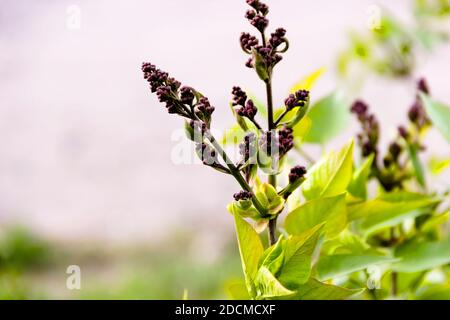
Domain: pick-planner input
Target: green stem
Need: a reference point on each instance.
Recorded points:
(235, 172)
(272, 177)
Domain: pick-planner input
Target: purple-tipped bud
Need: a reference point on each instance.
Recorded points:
(248, 111)
(250, 14)
(403, 132)
(259, 22)
(415, 112)
(359, 108)
(243, 195)
(422, 86)
(203, 108)
(249, 63)
(263, 8)
(239, 96)
(248, 41)
(296, 173)
(299, 99)
(187, 95)
(285, 140)
(277, 38)
(395, 149)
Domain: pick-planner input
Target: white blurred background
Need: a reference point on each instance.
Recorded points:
(86, 148)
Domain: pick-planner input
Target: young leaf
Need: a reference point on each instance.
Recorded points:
(417, 165)
(331, 210)
(329, 116)
(439, 115)
(267, 286)
(437, 166)
(341, 264)
(237, 290)
(331, 175)
(274, 257)
(298, 256)
(316, 290)
(358, 185)
(387, 204)
(422, 256)
(250, 249)
(308, 82)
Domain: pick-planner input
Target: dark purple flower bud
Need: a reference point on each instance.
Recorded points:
(290, 102)
(263, 8)
(243, 195)
(299, 99)
(239, 96)
(415, 112)
(367, 149)
(187, 95)
(163, 93)
(248, 41)
(248, 111)
(423, 86)
(249, 63)
(285, 140)
(260, 22)
(403, 132)
(359, 108)
(203, 109)
(250, 14)
(395, 149)
(296, 173)
(253, 3)
(276, 38)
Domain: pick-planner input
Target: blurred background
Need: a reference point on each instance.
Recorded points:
(88, 175)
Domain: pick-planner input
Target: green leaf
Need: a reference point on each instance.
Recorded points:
(234, 135)
(298, 256)
(308, 82)
(435, 292)
(337, 265)
(268, 287)
(422, 256)
(437, 166)
(358, 185)
(250, 249)
(389, 203)
(434, 222)
(439, 115)
(237, 290)
(417, 164)
(316, 290)
(331, 210)
(274, 257)
(260, 65)
(329, 116)
(388, 210)
(331, 175)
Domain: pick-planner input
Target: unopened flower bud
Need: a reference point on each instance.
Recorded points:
(242, 195)
(296, 173)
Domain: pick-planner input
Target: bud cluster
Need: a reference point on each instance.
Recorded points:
(368, 138)
(246, 107)
(296, 173)
(298, 99)
(277, 141)
(242, 195)
(183, 101)
(266, 55)
(416, 113)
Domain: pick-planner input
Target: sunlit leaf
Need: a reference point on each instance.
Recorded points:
(250, 249)
(358, 185)
(298, 256)
(341, 264)
(316, 290)
(331, 210)
(439, 115)
(422, 256)
(331, 175)
(268, 287)
(329, 116)
(308, 82)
